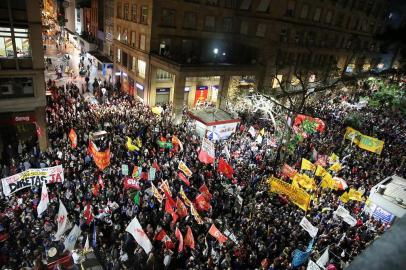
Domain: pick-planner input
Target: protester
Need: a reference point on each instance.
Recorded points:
(265, 225)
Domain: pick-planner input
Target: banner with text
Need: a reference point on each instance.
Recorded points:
(32, 177)
(296, 195)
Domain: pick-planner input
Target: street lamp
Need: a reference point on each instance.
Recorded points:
(216, 51)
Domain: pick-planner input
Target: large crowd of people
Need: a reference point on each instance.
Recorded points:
(265, 225)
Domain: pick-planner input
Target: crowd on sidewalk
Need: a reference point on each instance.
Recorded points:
(264, 227)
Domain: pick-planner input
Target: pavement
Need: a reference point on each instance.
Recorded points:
(56, 55)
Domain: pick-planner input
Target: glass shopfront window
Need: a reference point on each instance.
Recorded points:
(20, 40)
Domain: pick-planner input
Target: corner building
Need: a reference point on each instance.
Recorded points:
(22, 82)
(188, 51)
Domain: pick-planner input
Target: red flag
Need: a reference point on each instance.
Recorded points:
(168, 207)
(95, 190)
(181, 209)
(155, 166)
(183, 178)
(217, 234)
(163, 237)
(189, 239)
(206, 193)
(88, 214)
(101, 181)
(201, 203)
(73, 138)
(225, 168)
(174, 219)
(169, 198)
(180, 239)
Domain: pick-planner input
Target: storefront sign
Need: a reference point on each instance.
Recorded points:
(382, 214)
(163, 90)
(139, 86)
(32, 177)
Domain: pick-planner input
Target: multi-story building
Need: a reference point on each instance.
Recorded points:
(22, 83)
(189, 50)
(108, 27)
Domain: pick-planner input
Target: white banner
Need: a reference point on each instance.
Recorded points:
(43, 204)
(32, 177)
(345, 215)
(307, 226)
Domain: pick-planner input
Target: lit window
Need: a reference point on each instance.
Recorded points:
(134, 64)
(133, 35)
(142, 42)
(21, 42)
(141, 68)
(276, 81)
(144, 15)
(118, 55)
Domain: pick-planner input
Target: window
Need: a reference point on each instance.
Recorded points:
(210, 22)
(141, 68)
(290, 11)
(317, 13)
(144, 15)
(21, 42)
(142, 42)
(119, 11)
(13, 87)
(126, 10)
(261, 30)
(213, 2)
(263, 6)
(163, 75)
(134, 13)
(276, 81)
(329, 17)
(364, 25)
(283, 35)
(168, 17)
(228, 24)
(134, 64)
(304, 12)
(189, 20)
(118, 55)
(244, 27)
(231, 4)
(124, 57)
(339, 20)
(245, 4)
(133, 37)
(125, 36)
(118, 33)
(371, 27)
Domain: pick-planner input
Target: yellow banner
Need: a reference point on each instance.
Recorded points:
(354, 195)
(363, 141)
(296, 195)
(344, 197)
(328, 182)
(182, 166)
(307, 165)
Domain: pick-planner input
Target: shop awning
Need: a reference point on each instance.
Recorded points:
(101, 58)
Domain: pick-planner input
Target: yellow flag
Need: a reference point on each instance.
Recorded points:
(294, 182)
(320, 171)
(196, 214)
(354, 195)
(130, 145)
(344, 197)
(138, 142)
(156, 193)
(305, 181)
(333, 158)
(262, 132)
(307, 165)
(328, 182)
(335, 167)
(183, 195)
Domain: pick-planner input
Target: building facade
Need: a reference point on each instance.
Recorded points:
(22, 83)
(188, 51)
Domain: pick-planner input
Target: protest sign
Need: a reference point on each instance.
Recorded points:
(296, 195)
(124, 169)
(345, 215)
(363, 141)
(307, 226)
(32, 177)
(182, 166)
